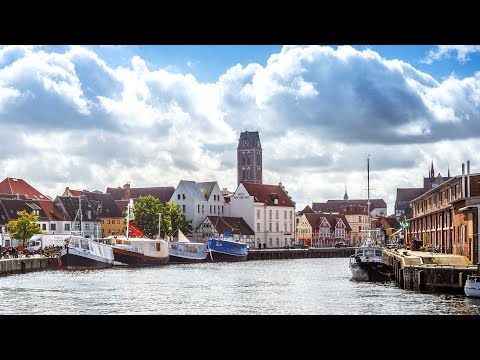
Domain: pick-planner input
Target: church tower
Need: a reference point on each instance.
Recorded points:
(249, 157)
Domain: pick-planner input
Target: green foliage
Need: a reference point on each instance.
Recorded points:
(146, 215)
(173, 218)
(24, 227)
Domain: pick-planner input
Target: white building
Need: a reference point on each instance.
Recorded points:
(198, 200)
(268, 210)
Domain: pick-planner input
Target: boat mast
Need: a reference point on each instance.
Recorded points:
(369, 237)
(80, 210)
(128, 217)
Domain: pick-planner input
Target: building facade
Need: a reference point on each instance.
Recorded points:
(249, 158)
(445, 218)
(216, 226)
(323, 230)
(198, 200)
(268, 210)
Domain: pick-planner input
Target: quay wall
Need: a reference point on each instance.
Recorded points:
(275, 254)
(23, 264)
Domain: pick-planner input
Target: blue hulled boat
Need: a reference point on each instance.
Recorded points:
(226, 249)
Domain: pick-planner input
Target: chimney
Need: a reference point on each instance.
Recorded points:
(463, 181)
(468, 178)
(127, 191)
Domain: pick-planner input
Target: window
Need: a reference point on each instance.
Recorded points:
(67, 227)
(285, 227)
(87, 226)
(210, 209)
(203, 209)
(108, 221)
(258, 227)
(270, 214)
(270, 243)
(178, 196)
(183, 208)
(198, 208)
(222, 209)
(118, 221)
(359, 219)
(270, 227)
(44, 227)
(276, 227)
(278, 242)
(258, 214)
(290, 214)
(276, 214)
(285, 214)
(183, 196)
(53, 227)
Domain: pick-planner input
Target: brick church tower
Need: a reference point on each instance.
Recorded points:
(249, 157)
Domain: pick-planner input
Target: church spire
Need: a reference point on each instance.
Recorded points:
(345, 197)
(432, 172)
(448, 166)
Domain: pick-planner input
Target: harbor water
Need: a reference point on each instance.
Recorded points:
(320, 286)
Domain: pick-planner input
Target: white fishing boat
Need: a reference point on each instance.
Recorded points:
(472, 286)
(367, 263)
(81, 253)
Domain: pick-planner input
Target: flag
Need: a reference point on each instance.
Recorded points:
(134, 231)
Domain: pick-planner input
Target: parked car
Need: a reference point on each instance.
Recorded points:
(340, 244)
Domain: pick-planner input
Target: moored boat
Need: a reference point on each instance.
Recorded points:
(80, 253)
(140, 251)
(472, 286)
(185, 251)
(226, 249)
(367, 263)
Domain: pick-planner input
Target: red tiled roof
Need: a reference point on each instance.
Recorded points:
(52, 212)
(267, 193)
(236, 225)
(21, 187)
(76, 192)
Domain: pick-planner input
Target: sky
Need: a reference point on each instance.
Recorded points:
(92, 117)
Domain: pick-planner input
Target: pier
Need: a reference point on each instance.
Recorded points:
(275, 254)
(22, 265)
(418, 270)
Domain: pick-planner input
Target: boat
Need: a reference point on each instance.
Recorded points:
(367, 263)
(135, 251)
(226, 249)
(472, 286)
(138, 251)
(81, 253)
(185, 251)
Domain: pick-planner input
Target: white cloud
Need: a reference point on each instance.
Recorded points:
(72, 119)
(446, 51)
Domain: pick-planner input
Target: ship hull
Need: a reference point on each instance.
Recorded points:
(137, 259)
(71, 261)
(216, 256)
(370, 272)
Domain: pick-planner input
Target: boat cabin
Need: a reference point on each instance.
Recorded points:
(369, 254)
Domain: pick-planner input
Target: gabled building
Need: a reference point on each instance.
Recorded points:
(216, 226)
(323, 230)
(90, 220)
(268, 210)
(199, 200)
(387, 226)
(16, 186)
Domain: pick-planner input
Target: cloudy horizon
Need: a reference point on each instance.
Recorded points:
(92, 117)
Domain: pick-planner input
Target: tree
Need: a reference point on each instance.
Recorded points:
(173, 219)
(145, 214)
(24, 227)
